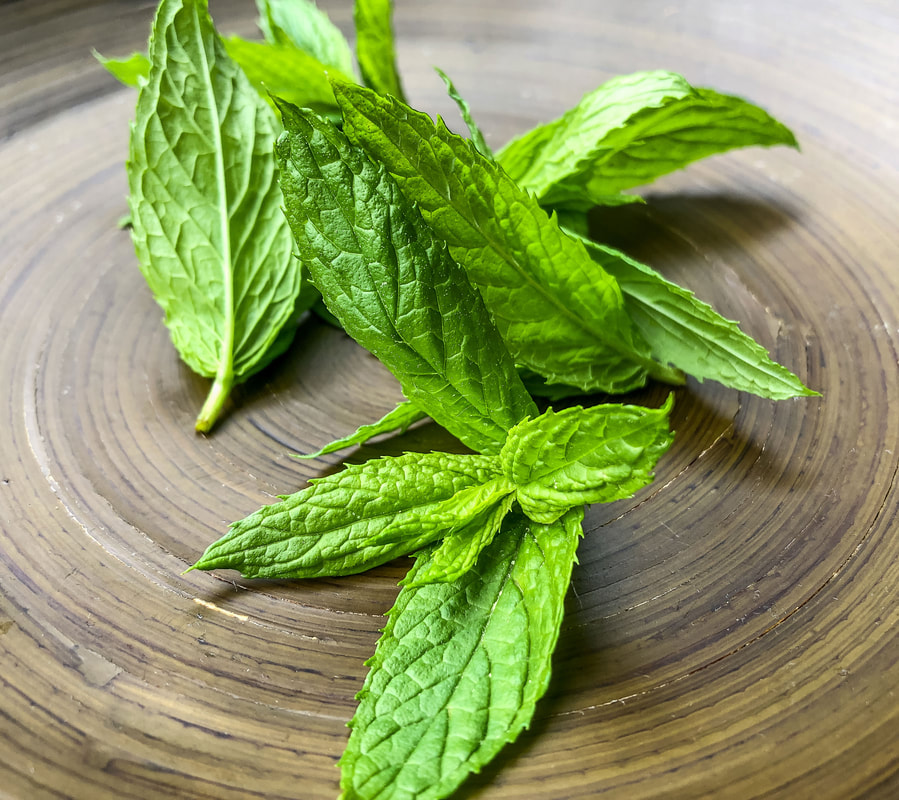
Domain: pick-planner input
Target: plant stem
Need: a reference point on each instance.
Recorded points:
(218, 394)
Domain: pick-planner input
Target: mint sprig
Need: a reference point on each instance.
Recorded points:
(399, 293)
(450, 264)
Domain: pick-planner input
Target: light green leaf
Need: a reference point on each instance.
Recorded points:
(207, 226)
(397, 420)
(460, 666)
(300, 24)
(459, 549)
(630, 131)
(130, 71)
(325, 528)
(592, 455)
(691, 335)
(284, 71)
(374, 46)
(273, 69)
(558, 315)
(474, 131)
(393, 285)
(452, 514)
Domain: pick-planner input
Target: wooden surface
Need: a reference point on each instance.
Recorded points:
(733, 632)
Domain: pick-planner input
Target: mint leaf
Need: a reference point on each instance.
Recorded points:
(460, 666)
(374, 46)
(130, 71)
(278, 69)
(459, 549)
(300, 24)
(397, 420)
(592, 455)
(454, 513)
(692, 336)
(393, 285)
(284, 71)
(474, 131)
(558, 315)
(325, 529)
(630, 131)
(207, 226)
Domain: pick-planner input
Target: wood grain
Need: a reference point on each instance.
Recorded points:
(732, 632)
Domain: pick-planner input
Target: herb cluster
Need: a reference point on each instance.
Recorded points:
(451, 264)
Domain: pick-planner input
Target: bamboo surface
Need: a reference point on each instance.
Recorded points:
(731, 632)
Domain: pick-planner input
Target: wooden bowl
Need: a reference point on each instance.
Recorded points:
(731, 632)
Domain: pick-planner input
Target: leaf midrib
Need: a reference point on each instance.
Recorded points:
(224, 373)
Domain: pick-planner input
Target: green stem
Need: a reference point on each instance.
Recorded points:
(669, 375)
(218, 394)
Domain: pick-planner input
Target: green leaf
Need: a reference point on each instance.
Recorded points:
(374, 46)
(460, 666)
(130, 71)
(397, 420)
(558, 315)
(284, 71)
(459, 549)
(452, 514)
(300, 24)
(630, 131)
(691, 335)
(325, 528)
(278, 69)
(593, 455)
(474, 131)
(210, 237)
(393, 285)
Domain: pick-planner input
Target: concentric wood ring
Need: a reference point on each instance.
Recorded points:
(731, 632)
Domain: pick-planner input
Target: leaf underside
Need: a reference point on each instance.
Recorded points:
(207, 226)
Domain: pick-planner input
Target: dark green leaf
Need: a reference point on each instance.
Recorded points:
(558, 315)
(393, 285)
